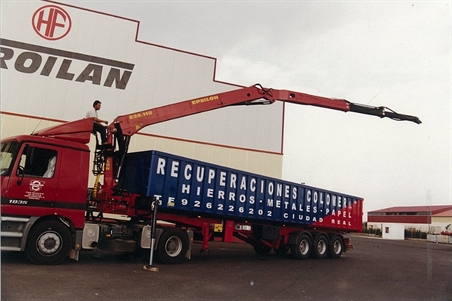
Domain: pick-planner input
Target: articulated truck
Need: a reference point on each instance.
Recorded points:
(50, 212)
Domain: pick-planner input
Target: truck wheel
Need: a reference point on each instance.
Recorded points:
(48, 242)
(302, 248)
(336, 247)
(320, 247)
(172, 246)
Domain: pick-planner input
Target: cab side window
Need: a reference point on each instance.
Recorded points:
(37, 162)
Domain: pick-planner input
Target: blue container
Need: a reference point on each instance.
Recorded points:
(195, 187)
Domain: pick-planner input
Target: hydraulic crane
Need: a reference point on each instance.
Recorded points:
(123, 127)
(109, 161)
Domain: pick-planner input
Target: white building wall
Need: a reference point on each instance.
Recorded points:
(34, 95)
(435, 227)
(393, 231)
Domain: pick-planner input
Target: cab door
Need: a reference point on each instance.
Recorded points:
(33, 182)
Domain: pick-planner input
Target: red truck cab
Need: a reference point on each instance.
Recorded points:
(43, 183)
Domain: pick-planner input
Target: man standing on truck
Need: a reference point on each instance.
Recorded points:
(97, 126)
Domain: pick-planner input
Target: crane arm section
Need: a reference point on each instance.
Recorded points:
(130, 124)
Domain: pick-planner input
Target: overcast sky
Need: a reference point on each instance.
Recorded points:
(395, 54)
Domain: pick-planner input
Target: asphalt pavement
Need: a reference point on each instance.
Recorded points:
(377, 269)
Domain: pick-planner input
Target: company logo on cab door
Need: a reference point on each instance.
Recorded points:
(51, 22)
(36, 185)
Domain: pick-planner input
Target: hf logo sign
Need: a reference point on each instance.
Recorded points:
(51, 22)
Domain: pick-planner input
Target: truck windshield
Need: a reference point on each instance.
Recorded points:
(6, 156)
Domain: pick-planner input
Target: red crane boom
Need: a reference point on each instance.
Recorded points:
(125, 126)
(132, 123)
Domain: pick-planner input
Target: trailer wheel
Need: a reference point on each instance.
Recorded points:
(320, 247)
(48, 242)
(302, 248)
(336, 247)
(172, 246)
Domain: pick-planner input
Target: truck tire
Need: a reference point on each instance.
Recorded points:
(48, 242)
(336, 247)
(172, 246)
(320, 247)
(302, 247)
